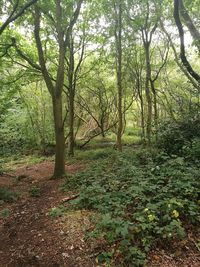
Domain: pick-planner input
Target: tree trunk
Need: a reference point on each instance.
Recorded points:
(59, 167)
(140, 94)
(183, 57)
(148, 95)
(155, 109)
(142, 119)
(102, 132)
(71, 126)
(118, 36)
(190, 25)
(71, 90)
(120, 118)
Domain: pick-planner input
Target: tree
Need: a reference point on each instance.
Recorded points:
(118, 40)
(190, 25)
(17, 10)
(61, 23)
(56, 89)
(74, 60)
(111, 59)
(97, 100)
(179, 7)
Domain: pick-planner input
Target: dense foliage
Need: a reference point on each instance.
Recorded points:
(181, 137)
(155, 84)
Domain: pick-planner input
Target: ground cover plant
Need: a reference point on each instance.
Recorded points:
(7, 194)
(142, 197)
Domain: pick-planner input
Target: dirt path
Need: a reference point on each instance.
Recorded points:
(29, 236)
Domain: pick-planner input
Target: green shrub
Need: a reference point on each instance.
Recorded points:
(35, 191)
(5, 213)
(57, 212)
(174, 136)
(192, 151)
(7, 195)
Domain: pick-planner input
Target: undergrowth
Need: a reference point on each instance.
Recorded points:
(7, 195)
(35, 191)
(143, 197)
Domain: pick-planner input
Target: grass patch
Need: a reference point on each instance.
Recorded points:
(35, 191)
(130, 140)
(57, 211)
(10, 163)
(7, 195)
(5, 213)
(92, 154)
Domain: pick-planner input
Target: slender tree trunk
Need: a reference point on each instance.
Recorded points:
(148, 95)
(71, 125)
(183, 57)
(155, 115)
(142, 119)
(120, 116)
(139, 89)
(102, 131)
(155, 109)
(102, 122)
(118, 36)
(190, 25)
(59, 167)
(71, 90)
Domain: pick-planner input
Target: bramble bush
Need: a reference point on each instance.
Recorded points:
(181, 137)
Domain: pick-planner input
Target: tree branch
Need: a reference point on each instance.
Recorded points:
(183, 57)
(13, 17)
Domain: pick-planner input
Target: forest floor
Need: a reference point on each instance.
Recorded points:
(29, 236)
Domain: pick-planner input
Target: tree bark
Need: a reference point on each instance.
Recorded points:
(118, 39)
(147, 39)
(71, 142)
(190, 25)
(177, 59)
(148, 94)
(141, 110)
(183, 57)
(71, 91)
(59, 168)
(155, 107)
(103, 132)
(55, 90)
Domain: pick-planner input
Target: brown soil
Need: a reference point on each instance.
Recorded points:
(30, 237)
(185, 253)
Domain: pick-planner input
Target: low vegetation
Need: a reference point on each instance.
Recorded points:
(143, 197)
(7, 195)
(34, 191)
